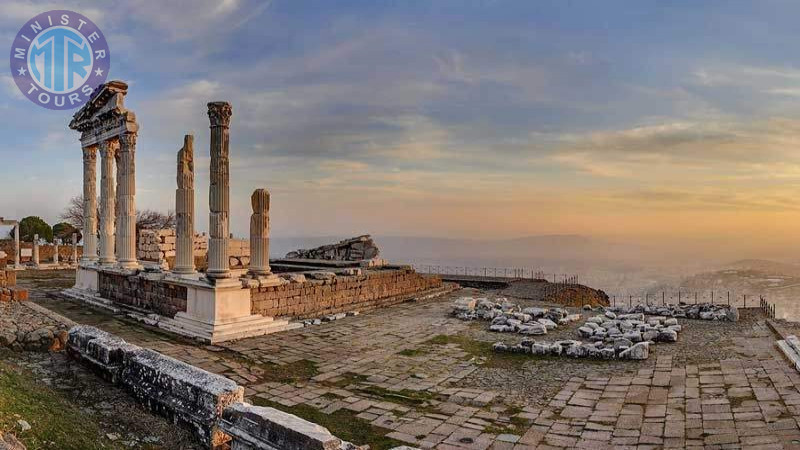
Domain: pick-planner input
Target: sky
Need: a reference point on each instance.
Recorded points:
(667, 121)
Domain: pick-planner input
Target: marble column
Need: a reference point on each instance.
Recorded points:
(107, 203)
(126, 202)
(219, 114)
(259, 233)
(184, 208)
(89, 204)
(55, 251)
(74, 248)
(35, 250)
(16, 246)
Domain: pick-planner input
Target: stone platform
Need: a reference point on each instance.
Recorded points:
(430, 380)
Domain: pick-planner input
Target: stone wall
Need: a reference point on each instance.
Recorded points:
(159, 245)
(8, 290)
(336, 294)
(155, 296)
(8, 278)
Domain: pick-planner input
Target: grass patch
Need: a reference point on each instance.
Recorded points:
(413, 352)
(302, 370)
(55, 421)
(348, 379)
(504, 360)
(343, 424)
(481, 349)
(415, 399)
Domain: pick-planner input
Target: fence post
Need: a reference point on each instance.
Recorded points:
(663, 298)
(729, 298)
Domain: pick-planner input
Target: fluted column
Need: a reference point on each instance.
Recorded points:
(107, 203)
(89, 204)
(16, 246)
(55, 251)
(126, 202)
(219, 114)
(36, 250)
(184, 208)
(259, 233)
(74, 248)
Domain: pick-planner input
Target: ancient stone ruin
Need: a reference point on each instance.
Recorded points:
(241, 293)
(209, 405)
(354, 249)
(8, 282)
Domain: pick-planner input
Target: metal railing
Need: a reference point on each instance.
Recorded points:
(496, 272)
(715, 297)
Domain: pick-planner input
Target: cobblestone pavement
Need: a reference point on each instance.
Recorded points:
(431, 381)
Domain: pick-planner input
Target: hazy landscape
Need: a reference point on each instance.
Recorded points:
(619, 268)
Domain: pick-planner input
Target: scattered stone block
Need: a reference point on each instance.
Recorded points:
(255, 427)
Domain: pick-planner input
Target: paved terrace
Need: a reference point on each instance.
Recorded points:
(413, 374)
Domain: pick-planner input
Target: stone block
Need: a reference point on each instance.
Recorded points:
(254, 427)
(181, 392)
(102, 352)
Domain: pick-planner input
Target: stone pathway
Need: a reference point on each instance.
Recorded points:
(412, 370)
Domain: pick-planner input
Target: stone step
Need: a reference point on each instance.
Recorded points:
(92, 300)
(789, 351)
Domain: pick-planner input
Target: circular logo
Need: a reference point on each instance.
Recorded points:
(58, 59)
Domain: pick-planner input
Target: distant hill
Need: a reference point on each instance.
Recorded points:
(765, 266)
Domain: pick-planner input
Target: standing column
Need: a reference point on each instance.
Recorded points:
(126, 202)
(219, 113)
(74, 248)
(16, 246)
(36, 250)
(55, 251)
(259, 233)
(89, 204)
(184, 208)
(107, 203)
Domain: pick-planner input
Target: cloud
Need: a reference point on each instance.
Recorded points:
(692, 148)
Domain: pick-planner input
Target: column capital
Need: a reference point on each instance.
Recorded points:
(127, 142)
(107, 149)
(219, 113)
(90, 153)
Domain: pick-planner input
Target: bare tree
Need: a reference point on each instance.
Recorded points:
(154, 220)
(147, 219)
(73, 213)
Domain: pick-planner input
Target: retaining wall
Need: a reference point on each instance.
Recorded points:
(314, 298)
(156, 296)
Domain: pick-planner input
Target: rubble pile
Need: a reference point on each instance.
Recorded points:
(700, 311)
(507, 317)
(606, 336)
(632, 328)
(354, 249)
(622, 349)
